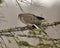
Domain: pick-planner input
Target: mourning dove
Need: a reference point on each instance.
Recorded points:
(30, 19)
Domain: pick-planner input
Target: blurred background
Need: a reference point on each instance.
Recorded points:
(49, 9)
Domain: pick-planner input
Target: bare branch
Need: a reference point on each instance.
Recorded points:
(30, 36)
(27, 28)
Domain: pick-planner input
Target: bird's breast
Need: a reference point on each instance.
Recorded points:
(30, 19)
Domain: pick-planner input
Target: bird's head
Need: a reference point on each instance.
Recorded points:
(19, 15)
(25, 14)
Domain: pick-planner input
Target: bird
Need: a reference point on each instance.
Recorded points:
(30, 19)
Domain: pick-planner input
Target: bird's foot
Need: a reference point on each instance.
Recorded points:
(30, 26)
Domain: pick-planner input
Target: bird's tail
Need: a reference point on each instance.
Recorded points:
(39, 27)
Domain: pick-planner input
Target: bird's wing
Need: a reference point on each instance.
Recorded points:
(40, 18)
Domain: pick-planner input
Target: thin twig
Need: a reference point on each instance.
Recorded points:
(30, 36)
(1, 44)
(3, 41)
(20, 6)
(14, 38)
(27, 28)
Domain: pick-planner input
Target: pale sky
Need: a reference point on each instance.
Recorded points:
(10, 10)
(45, 2)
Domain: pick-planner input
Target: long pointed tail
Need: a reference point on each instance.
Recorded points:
(39, 27)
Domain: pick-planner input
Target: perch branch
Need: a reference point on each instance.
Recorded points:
(30, 36)
(27, 28)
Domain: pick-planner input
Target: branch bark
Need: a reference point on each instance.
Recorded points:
(30, 36)
(27, 28)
